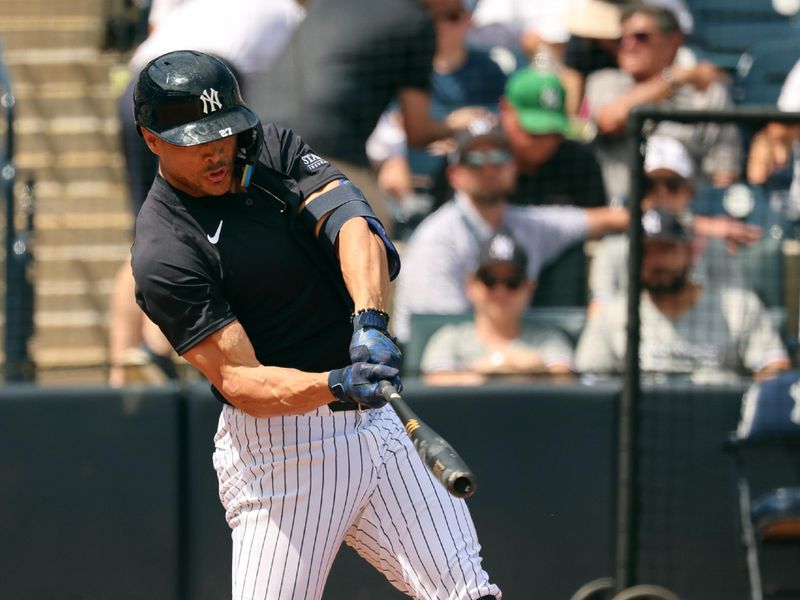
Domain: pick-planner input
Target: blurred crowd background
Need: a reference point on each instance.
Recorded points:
(490, 137)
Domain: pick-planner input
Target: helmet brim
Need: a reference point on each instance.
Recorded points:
(211, 128)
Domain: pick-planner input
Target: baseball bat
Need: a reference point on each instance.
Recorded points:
(437, 454)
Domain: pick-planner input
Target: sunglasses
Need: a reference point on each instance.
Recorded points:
(642, 37)
(513, 283)
(478, 158)
(672, 184)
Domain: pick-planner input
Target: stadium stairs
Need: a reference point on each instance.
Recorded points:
(66, 142)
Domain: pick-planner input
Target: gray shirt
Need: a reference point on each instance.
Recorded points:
(713, 147)
(443, 251)
(728, 330)
(454, 347)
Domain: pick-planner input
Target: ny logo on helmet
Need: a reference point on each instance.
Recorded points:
(210, 98)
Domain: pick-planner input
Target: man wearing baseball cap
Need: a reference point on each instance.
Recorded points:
(553, 169)
(669, 184)
(444, 248)
(496, 341)
(707, 332)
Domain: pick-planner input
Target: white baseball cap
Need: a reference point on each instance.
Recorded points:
(667, 153)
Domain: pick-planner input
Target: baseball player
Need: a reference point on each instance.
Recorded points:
(267, 270)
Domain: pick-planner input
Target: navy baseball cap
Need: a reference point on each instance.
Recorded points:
(478, 130)
(502, 248)
(661, 224)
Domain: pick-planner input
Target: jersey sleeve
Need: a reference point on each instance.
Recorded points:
(289, 154)
(180, 291)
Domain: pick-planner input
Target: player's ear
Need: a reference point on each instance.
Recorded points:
(150, 139)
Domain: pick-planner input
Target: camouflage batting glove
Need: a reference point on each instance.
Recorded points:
(371, 341)
(360, 382)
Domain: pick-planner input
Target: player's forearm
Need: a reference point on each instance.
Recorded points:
(362, 256)
(263, 391)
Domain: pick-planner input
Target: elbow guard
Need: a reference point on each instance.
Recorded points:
(337, 206)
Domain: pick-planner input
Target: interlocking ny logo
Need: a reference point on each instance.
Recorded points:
(210, 98)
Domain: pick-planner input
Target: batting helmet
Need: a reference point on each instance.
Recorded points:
(188, 98)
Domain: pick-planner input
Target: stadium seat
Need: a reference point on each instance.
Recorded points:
(568, 319)
(724, 29)
(763, 68)
(563, 282)
(766, 451)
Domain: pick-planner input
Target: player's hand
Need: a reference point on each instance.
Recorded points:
(371, 341)
(360, 382)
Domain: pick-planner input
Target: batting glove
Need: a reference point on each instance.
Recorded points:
(360, 382)
(371, 341)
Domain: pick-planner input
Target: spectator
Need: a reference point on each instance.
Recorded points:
(247, 39)
(342, 67)
(594, 39)
(552, 169)
(524, 25)
(462, 77)
(772, 147)
(670, 185)
(444, 248)
(496, 341)
(685, 327)
(651, 38)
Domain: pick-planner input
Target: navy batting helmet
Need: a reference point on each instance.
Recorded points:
(188, 98)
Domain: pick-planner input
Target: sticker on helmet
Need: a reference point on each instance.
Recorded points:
(312, 162)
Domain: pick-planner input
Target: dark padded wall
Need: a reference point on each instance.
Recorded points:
(109, 494)
(88, 494)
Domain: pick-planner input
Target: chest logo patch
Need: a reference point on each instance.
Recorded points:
(215, 238)
(312, 162)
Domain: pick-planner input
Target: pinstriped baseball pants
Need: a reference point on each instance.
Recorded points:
(295, 487)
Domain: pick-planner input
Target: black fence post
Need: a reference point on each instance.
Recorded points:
(626, 508)
(19, 289)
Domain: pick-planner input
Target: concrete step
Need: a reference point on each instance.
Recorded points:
(47, 31)
(64, 112)
(49, 8)
(89, 264)
(71, 167)
(74, 296)
(39, 68)
(81, 198)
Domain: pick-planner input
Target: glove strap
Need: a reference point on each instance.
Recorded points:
(370, 317)
(335, 377)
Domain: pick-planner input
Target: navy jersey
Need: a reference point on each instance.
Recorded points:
(201, 262)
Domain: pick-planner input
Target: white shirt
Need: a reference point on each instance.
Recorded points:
(444, 248)
(545, 17)
(247, 33)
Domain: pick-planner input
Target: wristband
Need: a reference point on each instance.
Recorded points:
(370, 317)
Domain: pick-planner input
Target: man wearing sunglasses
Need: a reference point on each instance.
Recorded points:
(669, 184)
(444, 248)
(496, 341)
(707, 332)
(648, 73)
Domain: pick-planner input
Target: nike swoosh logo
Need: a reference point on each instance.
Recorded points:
(215, 238)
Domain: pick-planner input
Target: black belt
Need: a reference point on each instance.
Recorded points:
(340, 405)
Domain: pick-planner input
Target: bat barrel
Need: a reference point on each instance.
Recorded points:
(437, 454)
